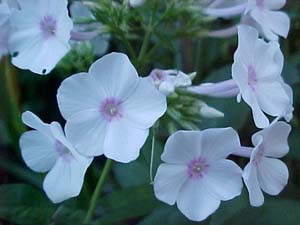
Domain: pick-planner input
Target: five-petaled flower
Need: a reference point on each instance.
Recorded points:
(196, 174)
(109, 110)
(264, 171)
(46, 149)
(40, 32)
(257, 71)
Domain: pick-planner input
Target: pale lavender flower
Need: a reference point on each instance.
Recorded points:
(264, 171)
(40, 34)
(196, 174)
(257, 71)
(46, 149)
(109, 110)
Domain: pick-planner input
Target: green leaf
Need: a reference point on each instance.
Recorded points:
(24, 204)
(294, 144)
(66, 215)
(168, 215)
(229, 208)
(127, 203)
(118, 206)
(273, 212)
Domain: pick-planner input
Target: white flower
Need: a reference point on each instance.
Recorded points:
(257, 71)
(109, 110)
(270, 21)
(40, 34)
(196, 174)
(46, 149)
(264, 171)
(167, 80)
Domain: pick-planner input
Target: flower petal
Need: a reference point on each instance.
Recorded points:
(168, 181)
(38, 151)
(31, 120)
(259, 117)
(78, 93)
(182, 147)
(218, 143)
(86, 131)
(224, 179)
(123, 141)
(275, 139)
(66, 178)
(145, 113)
(275, 4)
(247, 37)
(273, 175)
(195, 201)
(33, 56)
(250, 178)
(115, 73)
(279, 22)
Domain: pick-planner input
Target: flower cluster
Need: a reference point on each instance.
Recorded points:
(110, 109)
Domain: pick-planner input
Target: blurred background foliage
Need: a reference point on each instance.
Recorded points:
(159, 34)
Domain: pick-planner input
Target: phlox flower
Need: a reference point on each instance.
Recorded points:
(46, 149)
(196, 174)
(264, 171)
(271, 23)
(257, 71)
(109, 110)
(166, 81)
(40, 32)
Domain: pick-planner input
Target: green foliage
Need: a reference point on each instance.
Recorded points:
(24, 204)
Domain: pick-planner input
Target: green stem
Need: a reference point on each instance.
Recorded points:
(145, 44)
(152, 155)
(9, 97)
(97, 191)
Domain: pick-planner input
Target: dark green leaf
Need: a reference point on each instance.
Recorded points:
(168, 215)
(273, 212)
(24, 204)
(127, 204)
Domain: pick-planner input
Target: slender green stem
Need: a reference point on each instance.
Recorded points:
(9, 98)
(152, 155)
(145, 44)
(97, 191)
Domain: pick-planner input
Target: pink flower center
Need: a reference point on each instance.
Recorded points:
(252, 77)
(197, 168)
(260, 3)
(260, 154)
(48, 26)
(111, 109)
(62, 151)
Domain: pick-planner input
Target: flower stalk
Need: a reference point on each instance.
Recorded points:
(97, 191)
